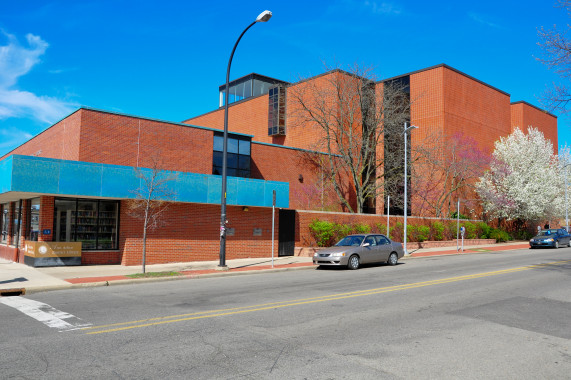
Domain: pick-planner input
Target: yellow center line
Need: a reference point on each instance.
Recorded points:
(275, 305)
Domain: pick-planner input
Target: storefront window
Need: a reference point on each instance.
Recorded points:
(5, 221)
(92, 222)
(34, 219)
(107, 233)
(16, 222)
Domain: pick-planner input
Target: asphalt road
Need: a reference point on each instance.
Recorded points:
(490, 315)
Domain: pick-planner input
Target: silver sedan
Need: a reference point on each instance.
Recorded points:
(354, 250)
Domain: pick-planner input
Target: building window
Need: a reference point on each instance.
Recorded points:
(16, 222)
(5, 222)
(238, 162)
(92, 222)
(34, 220)
(276, 112)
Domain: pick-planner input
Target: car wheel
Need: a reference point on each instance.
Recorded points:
(353, 262)
(556, 245)
(393, 259)
(569, 243)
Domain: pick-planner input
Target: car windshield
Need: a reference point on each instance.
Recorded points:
(547, 232)
(350, 241)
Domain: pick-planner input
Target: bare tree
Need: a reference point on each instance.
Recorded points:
(557, 56)
(152, 198)
(446, 168)
(349, 113)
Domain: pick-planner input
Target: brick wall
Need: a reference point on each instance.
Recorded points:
(123, 140)
(310, 191)
(46, 218)
(475, 109)
(524, 115)
(250, 116)
(61, 140)
(193, 234)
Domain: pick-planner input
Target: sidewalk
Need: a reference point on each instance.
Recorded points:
(18, 278)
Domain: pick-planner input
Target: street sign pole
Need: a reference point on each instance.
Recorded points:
(273, 222)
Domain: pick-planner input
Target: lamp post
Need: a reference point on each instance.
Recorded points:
(262, 17)
(406, 130)
(566, 207)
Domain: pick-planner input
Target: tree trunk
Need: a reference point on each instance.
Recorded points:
(145, 239)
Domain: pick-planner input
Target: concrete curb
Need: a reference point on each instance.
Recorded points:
(40, 289)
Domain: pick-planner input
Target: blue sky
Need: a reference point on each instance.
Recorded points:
(166, 59)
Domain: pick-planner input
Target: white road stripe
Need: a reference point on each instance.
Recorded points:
(45, 313)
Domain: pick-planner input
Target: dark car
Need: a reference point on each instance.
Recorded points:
(354, 250)
(553, 238)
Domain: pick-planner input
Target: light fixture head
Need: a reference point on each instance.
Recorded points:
(264, 16)
(410, 128)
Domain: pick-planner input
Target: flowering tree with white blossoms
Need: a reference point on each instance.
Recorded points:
(524, 181)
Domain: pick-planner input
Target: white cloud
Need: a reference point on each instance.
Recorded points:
(15, 61)
(12, 137)
(18, 104)
(382, 8)
(482, 20)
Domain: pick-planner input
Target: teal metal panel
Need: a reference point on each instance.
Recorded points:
(282, 193)
(214, 187)
(250, 191)
(74, 178)
(79, 178)
(231, 191)
(29, 172)
(6, 174)
(118, 181)
(193, 186)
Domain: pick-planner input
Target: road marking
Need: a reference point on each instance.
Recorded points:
(44, 313)
(274, 305)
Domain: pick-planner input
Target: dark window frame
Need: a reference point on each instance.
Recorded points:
(74, 231)
(236, 170)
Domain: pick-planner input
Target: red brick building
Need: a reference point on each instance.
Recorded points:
(74, 181)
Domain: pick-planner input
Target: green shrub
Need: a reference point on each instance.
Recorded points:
(410, 233)
(455, 214)
(450, 229)
(422, 233)
(323, 232)
(361, 228)
(397, 231)
(471, 231)
(436, 231)
(499, 235)
(484, 230)
(381, 228)
(341, 230)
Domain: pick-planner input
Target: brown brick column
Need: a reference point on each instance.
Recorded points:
(46, 218)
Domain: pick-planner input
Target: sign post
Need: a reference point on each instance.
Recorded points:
(388, 213)
(273, 222)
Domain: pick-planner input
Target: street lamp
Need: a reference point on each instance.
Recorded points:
(262, 17)
(407, 129)
(566, 208)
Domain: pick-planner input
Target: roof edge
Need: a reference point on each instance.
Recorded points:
(531, 105)
(449, 68)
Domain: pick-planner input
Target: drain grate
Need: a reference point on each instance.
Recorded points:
(12, 292)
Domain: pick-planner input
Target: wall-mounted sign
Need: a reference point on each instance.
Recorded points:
(52, 253)
(257, 232)
(46, 232)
